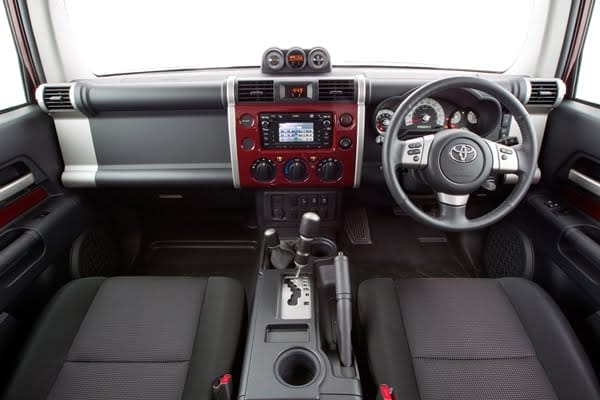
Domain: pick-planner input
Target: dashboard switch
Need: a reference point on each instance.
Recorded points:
(263, 170)
(345, 143)
(247, 120)
(346, 119)
(329, 170)
(295, 170)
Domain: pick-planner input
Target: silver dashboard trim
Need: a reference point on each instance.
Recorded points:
(360, 128)
(16, 186)
(560, 94)
(588, 183)
(231, 125)
(75, 140)
(77, 148)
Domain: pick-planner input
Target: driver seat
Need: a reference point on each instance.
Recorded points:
(452, 338)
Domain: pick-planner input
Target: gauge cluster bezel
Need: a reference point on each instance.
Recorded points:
(487, 109)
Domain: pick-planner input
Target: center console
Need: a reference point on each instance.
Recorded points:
(298, 343)
(296, 132)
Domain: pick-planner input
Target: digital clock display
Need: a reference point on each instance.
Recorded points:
(296, 58)
(295, 91)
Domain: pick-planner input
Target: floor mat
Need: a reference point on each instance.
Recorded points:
(402, 248)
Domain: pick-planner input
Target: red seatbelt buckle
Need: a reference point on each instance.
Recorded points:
(385, 393)
(222, 388)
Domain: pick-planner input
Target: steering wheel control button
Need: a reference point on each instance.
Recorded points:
(345, 143)
(415, 151)
(247, 120)
(505, 150)
(346, 119)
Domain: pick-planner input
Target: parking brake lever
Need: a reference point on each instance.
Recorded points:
(343, 296)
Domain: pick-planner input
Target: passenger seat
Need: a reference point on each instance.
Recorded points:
(132, 338)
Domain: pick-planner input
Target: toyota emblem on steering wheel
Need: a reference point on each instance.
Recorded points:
(463, 153)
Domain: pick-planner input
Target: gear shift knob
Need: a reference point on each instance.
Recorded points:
(271, 238)
(309, 225)
(309, 229)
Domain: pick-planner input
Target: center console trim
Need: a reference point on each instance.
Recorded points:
(360, 128)
(231, 124)
(361, 90)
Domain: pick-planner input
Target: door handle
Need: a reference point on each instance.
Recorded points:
(585, 181)
(16, 186)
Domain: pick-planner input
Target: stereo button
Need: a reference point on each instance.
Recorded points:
(247, 120)
(345, 142)
(346, 119)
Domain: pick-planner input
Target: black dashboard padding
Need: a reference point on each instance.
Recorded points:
(93, 98)
(160, 140)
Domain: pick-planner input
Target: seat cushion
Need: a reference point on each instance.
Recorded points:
(132, 337)
(472, 339)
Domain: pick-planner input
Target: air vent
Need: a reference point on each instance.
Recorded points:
(56, 98)
(545, 93)
(255, 91)
(336, 90)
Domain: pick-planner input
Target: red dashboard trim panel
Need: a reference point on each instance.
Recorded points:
(347, 157)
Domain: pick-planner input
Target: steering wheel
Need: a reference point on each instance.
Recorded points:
(456, 162)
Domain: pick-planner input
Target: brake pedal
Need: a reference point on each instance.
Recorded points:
(356, 224)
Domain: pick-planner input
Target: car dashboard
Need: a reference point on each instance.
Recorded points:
(253, 128)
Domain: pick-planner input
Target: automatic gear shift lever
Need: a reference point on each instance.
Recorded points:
(309, 229)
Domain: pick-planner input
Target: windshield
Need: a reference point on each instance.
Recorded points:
(117, 36)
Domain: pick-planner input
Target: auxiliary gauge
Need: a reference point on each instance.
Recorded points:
(383, 119)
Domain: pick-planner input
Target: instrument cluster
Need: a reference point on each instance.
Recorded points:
(479, 115)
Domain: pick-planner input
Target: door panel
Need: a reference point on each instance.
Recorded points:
(38, 220)
(561, 216)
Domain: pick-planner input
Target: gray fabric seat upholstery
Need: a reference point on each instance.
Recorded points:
(132, 338)
(471, 339)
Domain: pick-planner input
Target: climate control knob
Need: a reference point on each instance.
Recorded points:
(263, 170)
(295, 170)
(329, 170)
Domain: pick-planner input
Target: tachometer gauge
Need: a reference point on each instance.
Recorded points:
(472, 118)
(383, 119)
(427, 114)
(455, 118)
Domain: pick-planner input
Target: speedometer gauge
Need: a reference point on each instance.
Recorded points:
(427, 114)
(383, 119)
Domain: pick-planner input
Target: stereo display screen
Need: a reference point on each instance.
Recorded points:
(296, 132)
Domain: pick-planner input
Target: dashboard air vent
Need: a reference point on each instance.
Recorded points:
(336, 90)
(255, 91)
(545, 93)
(56, 98)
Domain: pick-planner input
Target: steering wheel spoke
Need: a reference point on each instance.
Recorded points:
(505, 159)
(413, 153)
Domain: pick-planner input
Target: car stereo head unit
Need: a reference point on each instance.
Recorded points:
(296, 130)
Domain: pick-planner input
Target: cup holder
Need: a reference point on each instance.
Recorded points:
(297, 367)
(323, 248)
